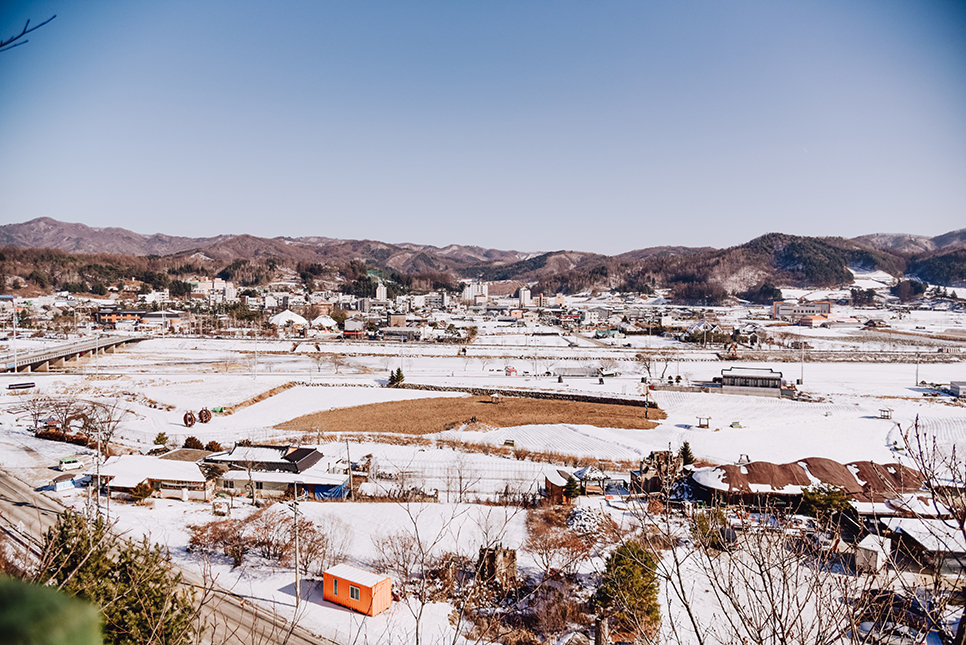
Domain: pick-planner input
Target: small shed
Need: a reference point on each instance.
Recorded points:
(872, 553)
(885, 413)
(63, 482)
(359, 590)
(555, 483)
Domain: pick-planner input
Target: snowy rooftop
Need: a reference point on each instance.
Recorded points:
(753, 372)
(358, 576)
(252, 453)
(130, 470)
(933, 535)
(286, 317)
(589, 473)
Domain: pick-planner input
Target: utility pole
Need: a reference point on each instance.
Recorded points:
(349, 462)
(295, 506)
(97, 457)
(802, 379)
(917, 368)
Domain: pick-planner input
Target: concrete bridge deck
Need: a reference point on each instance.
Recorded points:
(55, 357)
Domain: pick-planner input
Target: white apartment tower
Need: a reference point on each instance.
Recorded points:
(524, 297)
(381, 292)
(473, 289)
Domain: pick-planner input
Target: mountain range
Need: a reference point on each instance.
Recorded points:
(773, 258)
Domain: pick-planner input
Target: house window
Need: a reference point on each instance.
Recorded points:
(354, 592)
(258, 485)
(335, 586)
(229, 484)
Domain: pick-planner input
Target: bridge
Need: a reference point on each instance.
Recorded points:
(55, 357)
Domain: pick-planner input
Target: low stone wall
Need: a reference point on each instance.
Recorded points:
(533, 394)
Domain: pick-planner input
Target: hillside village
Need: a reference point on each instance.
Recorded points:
(520, 442)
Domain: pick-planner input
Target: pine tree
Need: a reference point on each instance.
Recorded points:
(132, 582)
(824, 502)
(399, 376)
(148, 605)
(141, 492)
(687, 457)
(572, 488)
(76, 556)
(630, 589)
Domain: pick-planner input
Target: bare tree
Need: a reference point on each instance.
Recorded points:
(413, 552)
(66, 409)
(319, 359)
(14, 41)
(37, 406)
(655, 363)
(753, 581)
(336, 361)
(102, 420)
(461, 478)
(556, 549)
(322, 544)
(771, 590)
(944, 471)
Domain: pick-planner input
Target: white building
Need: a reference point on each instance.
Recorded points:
(524, 297)
(474, 289)
(381, 292)
(799, 309)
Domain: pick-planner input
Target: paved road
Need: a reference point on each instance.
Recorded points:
(229, 618)
(23, 508)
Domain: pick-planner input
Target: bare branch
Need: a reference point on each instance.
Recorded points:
(11, 42)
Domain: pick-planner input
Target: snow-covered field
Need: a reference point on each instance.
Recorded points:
(159, 380)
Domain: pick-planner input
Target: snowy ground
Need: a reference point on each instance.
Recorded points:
(159, 380)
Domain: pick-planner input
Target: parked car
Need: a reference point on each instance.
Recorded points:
(70, 463)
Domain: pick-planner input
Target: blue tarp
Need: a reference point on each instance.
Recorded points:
(332, 492)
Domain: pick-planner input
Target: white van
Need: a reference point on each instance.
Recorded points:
(70, 463)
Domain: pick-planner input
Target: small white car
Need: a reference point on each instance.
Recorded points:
(70, 463)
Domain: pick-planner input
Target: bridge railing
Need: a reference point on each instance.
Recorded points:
(61, 351)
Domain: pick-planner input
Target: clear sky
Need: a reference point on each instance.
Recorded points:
(597, 126)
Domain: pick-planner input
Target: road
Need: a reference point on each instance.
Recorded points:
(229, 619)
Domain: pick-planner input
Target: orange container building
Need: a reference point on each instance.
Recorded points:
(365, 592)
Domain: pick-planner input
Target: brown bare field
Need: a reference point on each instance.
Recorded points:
(425, 416)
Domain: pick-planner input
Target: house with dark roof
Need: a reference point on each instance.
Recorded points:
(267, 458)
(751, 380)
(278, 471)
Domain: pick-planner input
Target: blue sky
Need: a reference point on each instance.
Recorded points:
(596, 126)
